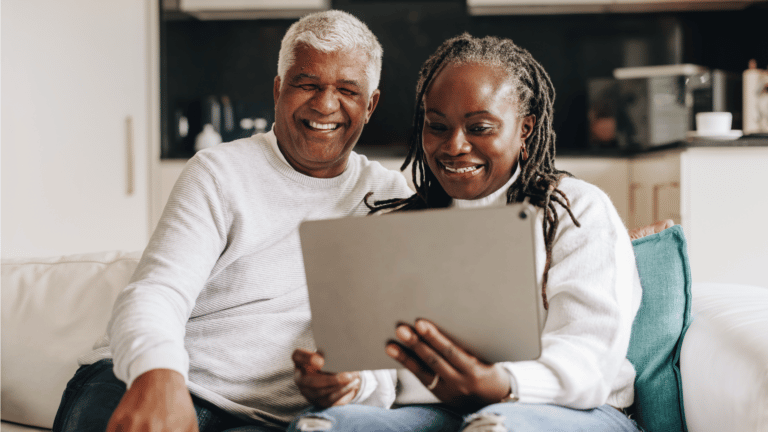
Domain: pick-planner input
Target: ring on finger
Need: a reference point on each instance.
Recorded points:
(433, 384)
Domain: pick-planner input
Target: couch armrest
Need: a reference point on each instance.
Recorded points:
(53, 310)
(724, 359)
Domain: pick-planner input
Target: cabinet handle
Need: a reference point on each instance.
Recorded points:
(129, 156)
(632, 188)
(656, 189)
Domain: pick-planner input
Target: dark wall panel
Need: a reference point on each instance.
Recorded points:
(239, 58)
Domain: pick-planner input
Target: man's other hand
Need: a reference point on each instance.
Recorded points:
(158, 400)
(320, 388)
(659, 226)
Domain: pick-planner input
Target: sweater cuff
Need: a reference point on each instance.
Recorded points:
(367, 385)
(532, 382)
(377, 388)
(158, 358)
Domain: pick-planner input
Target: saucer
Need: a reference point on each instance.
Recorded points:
(730, 135)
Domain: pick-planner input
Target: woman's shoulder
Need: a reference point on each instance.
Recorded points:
(585, 197)
(575, 188)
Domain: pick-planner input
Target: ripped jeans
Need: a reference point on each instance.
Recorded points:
(521, 417)
(502, 417)
(347, 418)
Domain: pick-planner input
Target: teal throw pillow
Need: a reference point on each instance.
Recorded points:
(658, 330)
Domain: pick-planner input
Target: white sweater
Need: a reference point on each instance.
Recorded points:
(220, 293)
(594, 293)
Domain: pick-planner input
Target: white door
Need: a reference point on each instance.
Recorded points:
(75, 135)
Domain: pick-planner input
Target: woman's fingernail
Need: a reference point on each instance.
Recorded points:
(392, 351)
(404, 333)
(421, 327)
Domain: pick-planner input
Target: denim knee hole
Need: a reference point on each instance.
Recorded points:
(314, 423)
(485, 422)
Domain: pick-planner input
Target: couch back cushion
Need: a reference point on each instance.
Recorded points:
(658, 330)
(53, 310)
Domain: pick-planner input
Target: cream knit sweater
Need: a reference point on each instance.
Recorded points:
(594, 293)
(220, 295)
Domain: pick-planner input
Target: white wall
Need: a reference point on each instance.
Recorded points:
(73, 73)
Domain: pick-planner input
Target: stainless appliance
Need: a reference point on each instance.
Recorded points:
(650, 106)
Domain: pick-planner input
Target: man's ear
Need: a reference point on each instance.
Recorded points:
(372, 102)
(276, 90)
(529, 122)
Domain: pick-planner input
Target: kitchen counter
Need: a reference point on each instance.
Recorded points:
(745, 141)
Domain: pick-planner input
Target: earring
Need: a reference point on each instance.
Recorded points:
(524, 153)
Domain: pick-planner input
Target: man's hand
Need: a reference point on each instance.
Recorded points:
(320, 388)
(659, 226)
(158, 401)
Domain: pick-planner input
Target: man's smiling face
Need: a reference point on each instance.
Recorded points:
(321, 108)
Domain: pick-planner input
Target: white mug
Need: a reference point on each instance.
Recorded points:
(713, 123)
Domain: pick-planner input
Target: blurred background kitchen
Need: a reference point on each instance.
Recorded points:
(103, 103)
(224, 68)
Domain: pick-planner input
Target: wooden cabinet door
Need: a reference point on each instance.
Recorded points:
(611, 174)
(654, 188)
(75, 114)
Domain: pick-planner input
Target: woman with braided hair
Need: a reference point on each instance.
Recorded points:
(482, 136)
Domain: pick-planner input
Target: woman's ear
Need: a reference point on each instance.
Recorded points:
(529, 122)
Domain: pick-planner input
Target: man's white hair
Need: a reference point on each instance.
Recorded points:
(331, 31)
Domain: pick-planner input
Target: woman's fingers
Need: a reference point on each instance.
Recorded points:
(413, 364)
(457, 357)
(426, 354)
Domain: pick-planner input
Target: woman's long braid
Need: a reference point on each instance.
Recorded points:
(538, 178)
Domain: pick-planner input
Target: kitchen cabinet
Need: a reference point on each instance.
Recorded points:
(247, 9)
(716, 194)
(80, 125)
(522, 7)
(611, 174)
(654, 188)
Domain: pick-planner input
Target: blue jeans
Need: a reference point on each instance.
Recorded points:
(94, 392)
(515, 417)
(362, 418)
(520, 417)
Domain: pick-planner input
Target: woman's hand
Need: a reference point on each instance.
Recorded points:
(320, 388)
(464, 381)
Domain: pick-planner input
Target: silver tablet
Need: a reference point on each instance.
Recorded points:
(470, 271)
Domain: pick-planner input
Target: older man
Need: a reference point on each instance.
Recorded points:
(202, 336)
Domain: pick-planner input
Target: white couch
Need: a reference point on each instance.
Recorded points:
(53, 309)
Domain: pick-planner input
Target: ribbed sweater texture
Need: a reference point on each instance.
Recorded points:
(219, 294)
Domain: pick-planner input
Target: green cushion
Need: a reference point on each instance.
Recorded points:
(658, 330)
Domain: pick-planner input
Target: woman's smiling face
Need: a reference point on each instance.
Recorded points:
(472, 129)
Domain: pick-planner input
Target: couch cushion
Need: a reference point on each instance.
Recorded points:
(53, 310)
(724, 359)
(658, 330)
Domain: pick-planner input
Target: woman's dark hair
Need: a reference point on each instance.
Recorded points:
(538, 179)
